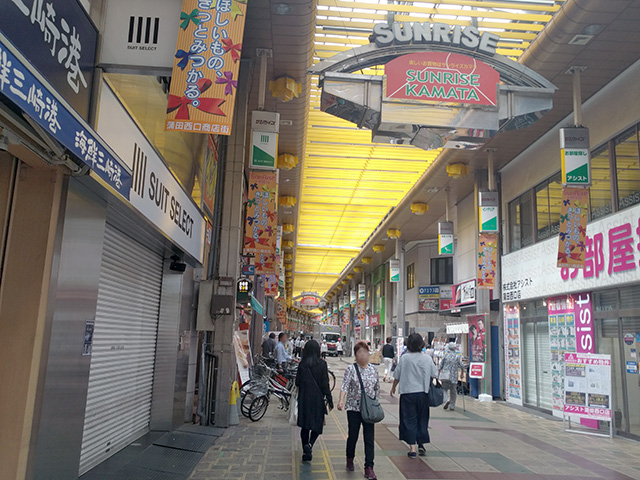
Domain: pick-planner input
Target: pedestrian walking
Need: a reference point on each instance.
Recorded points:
(350, 397)
(413, 375)
(269, 346)
(324, 348)
(339, 348)
(450, 364)
(388, 354)
(314, 397)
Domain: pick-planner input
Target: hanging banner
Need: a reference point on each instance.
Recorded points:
(587, 385)
(487, 260)
(346, 317)
(445, 238)
(429, 299)
(394, 271)
(205, 69)
(281, 311)
(353, 296)
(512, 369)
(488, 212)
(574, 153)
(210, 175)
(243, 354)
(271, 286)
(573, 227)
(261, 222)
(360, 312)
(562, 339)
(477, 334)
(362, 292)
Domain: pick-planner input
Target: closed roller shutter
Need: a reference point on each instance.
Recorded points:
(544, 366)
(529, 364)
(124, 345)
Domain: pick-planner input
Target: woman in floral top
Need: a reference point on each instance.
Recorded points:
(351, 390)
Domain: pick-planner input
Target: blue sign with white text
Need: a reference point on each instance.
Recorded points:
(39, 101)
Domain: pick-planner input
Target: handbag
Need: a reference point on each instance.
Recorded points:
(370, 408)
(293, 407)
(436, 394)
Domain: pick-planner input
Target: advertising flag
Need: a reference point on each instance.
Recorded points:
(573, 227)
(261, 222)
(487, 260)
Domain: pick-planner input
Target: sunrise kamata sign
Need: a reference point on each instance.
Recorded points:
(441, 77)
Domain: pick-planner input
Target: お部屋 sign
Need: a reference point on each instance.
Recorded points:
(441, 77)
(264, 149)
(574, 152)
(445, 238)
(488, 212)
(59, 39)
(468, 37)
(394, 271)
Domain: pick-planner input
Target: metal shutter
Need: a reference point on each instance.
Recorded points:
(124, 345)
(544, 366)
(529, 364)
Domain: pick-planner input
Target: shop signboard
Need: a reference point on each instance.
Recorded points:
(574, 213)
(353, 297)
(476, 370)
(611, 260)
(261, 222)
(488, 212)
(477, 338)
(441, 78)
(394, 271)
(206, 66)
(29, 91)
(360, 311)
(562, 339)
(362, 292)
(574, 153)
(309, 301)
(210, 175)
(429, 299)
(271, 285)
(155, 192)
(374, 320)
(248, 270)
(264, 140)
(587, 385)
(513, 368)
(487, 260)
(445, 238)
(242, 351)
(464, 293)
(446, 297)
(59, 39)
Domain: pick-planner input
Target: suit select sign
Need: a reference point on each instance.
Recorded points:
(441, 77)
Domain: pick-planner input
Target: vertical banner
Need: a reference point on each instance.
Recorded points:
(573, 227)
(477, 335)
(243, 354)
(271, 285)
(210, 175)
(487, 260)
(488, 212)
(513, 371)
(206, 64)
(429, 299)
(562, 339)
(281, 311)
(261, 222)
(574, 153)
(394, 271)
(445, 238)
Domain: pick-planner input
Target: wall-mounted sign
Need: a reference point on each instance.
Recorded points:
(135, 35)
(440, 77)
(439, 34)
(429, 299)
(248, 270)
(155, 192)
(394, 271)
(206, 65)
(445, 238)
(464, 293)
(574, 152)
(488, 212)
(59, 39)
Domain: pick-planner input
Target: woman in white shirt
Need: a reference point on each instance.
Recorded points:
(324, 349)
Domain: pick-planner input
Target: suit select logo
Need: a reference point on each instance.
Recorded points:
(143, 33)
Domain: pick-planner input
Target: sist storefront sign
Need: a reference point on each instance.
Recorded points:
(441, 77)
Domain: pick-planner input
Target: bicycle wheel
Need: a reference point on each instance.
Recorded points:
(258, 408)
(332, 380)
(245, 403)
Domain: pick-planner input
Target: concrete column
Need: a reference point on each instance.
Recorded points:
(400, 289)
(230, 248)
(24, 292)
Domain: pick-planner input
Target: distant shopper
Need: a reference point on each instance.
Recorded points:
(413, 374)
(282, 357)
(269, 346)
(314, 396)
(352, 391)
(324, 348)
(388, 354)
(339, 348)
(450, 364)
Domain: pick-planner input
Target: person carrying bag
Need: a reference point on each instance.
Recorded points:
(370, 408)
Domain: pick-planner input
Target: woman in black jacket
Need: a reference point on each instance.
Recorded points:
(312, 381)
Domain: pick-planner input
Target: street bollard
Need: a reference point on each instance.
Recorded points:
(234, 419)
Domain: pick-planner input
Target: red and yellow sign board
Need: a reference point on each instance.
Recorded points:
(487, 260)
(205, 70)
(281, 311)
(441, 77)
(360, 312)
(573, 227)
(271, 286)
(262, 221)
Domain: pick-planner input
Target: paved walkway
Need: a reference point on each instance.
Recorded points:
(488, 441)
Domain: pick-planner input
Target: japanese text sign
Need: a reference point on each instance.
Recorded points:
(262, 221)
(487, 260)
(445, 238)
(587, 386)
(429, 299)
(394, 271)
(59, 40)
(27, 90)
(464, 293)
(573, 227)
(205, 72)
(441, 77)
(574, 151)
(476, 370)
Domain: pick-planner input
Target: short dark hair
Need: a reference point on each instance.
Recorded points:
(281, 335)
(388, 339)
(415, 342)
(360, 345)
(272, 335)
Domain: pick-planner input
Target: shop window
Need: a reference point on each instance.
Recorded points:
(514, 225)
(555, 203)
(521, 221)
(543, 216)
(411, 276)
(600, 191)
(442, 271)
(627, 169)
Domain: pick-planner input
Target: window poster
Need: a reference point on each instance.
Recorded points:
(562, 339)
(587, 384)
(513, 369)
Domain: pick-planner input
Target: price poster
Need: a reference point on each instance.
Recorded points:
(587, 384)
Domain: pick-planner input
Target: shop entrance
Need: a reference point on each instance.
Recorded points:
(536, 361)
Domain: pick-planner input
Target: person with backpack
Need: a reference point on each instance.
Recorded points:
(357, 375)
(388, 354)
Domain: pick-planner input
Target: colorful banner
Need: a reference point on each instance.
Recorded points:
(429, 299)
(205, 71)
(573, 227)
(477, 338)
(261, 223)
(271, 286)
(513, 371)
(281, 310)
(587, 385)
(243, 354)
(210, 175)
(374, 320)
(360, 312)
(487, 260)
(464, 293)
(562, 339)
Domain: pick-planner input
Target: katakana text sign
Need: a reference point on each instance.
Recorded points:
(207, 61)
(262, 221)
(573, 227)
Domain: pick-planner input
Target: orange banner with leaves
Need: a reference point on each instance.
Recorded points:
(573, 227)
(261, 225)
(487, 260)
(205, 70)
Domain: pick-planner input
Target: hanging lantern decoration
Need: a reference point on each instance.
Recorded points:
(344, 282)
(358, 269)
(287, 201)
(419, 208)
(457, 170)
(288, 227)
(350, 276)
(287, 161)
(393, 233)
(378, 249)
(285, 88)
(288, 257)
(366, 260)
(287, 244)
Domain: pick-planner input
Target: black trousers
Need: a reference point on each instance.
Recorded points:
(308, 437)
(414, 418)
(355, 420)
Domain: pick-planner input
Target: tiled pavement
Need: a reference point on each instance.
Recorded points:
(490, 441)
